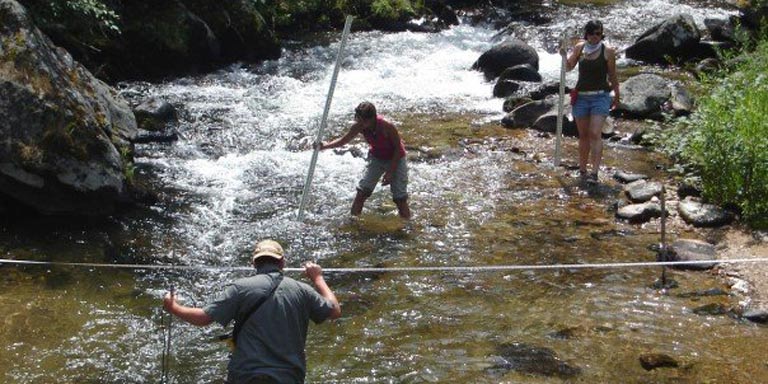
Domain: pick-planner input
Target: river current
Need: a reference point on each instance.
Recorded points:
(235, 176)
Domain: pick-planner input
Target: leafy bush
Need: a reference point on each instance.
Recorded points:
(94, 15)
(728, 143)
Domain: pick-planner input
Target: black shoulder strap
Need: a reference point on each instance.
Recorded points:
(240, 322)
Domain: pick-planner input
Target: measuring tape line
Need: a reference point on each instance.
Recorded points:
(483, 268)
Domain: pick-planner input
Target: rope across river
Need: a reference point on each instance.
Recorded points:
(455, 269)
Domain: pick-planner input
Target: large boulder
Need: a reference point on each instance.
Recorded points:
(509, 53)
(66, 134)
(644, 96)
(676, 38)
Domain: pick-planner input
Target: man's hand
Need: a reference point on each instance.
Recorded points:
(169, 301)
(312, 270)
(387, 179)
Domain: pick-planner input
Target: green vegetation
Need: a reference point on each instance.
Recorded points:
(86, 16)
(729, 141)
(293, 15)
(726, 140)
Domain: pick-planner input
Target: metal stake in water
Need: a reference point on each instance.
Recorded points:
(323, 122)
(166, 363)
(561, 100)
(663, 250)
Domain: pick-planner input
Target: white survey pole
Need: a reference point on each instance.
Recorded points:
(323, 122)
(561, 100)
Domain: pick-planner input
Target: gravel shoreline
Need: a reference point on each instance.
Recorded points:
(748, 280)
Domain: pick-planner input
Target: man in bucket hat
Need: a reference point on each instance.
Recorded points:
(274, 311)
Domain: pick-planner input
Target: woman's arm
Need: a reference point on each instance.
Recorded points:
(613, 80)
(353, 131)
(572, 60)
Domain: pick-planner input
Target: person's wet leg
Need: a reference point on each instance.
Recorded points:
(582, 125)
(403, 209)
(596, 142)
(357, 204)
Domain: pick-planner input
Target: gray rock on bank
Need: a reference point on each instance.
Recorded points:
(641, 191)
(639, 213)
(67, 135)
(700, 214)
(692, 250)
(649, 96)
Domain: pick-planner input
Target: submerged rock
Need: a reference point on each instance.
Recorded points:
(155, 114)
(651, 361)
(692, 250)
(756, 315)
(711, 309)
(533, 360)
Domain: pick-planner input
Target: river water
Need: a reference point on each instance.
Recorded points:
(481, 195)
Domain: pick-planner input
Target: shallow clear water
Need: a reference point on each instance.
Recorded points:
(236, 176)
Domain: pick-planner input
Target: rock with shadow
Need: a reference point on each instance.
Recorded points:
(690, 186)
(521, 72)
(509, 53)
(541, 115)
(756, 315)
(532, 360)
(525, 115)
(626, 177)
(675, 39)
(641, 191)
(694, 251)
(67, 135)
(644, 96)
(155, 114)
(639, 213)
(700, 214)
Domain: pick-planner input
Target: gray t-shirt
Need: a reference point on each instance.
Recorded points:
(272, 341)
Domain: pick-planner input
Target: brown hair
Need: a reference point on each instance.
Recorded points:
(365, 111)
(594, 26)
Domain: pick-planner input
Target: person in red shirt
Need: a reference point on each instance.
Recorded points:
(386, 156)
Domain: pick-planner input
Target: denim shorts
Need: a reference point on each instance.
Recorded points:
(591, 105)
(376, 168)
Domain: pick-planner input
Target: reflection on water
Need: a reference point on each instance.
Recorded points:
(482, 196)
